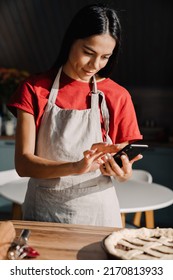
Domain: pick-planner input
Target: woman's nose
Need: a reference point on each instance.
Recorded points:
(95, 62)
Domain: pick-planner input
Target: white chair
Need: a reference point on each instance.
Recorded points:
(144, 176)
(141, 175)
(7, 177)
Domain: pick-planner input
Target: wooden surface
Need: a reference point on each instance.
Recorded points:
(64, 241)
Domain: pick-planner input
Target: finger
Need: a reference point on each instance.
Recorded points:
(138, 157)
(113, 165)
(89, 152)
(108, 166)
(127, 165)
(94, 156)
(99, 145)
(106, 147)
(103, 170)
(111, 168)
(115, 170)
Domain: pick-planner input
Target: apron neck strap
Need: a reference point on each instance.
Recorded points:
(94, 87)
(104, 108)
(55, 88)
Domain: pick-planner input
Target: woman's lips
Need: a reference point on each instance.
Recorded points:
(89, 73)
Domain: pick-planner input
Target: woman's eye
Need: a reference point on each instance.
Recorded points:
(106, 57)
(88, 53)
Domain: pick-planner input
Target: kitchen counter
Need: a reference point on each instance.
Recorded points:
(56, 241)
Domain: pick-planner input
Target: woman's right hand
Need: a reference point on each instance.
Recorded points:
(90, 162)
(93, 158)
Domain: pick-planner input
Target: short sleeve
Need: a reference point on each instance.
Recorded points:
(127, 124)
(24, 99)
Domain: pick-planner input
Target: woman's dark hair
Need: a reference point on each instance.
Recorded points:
(92, 20)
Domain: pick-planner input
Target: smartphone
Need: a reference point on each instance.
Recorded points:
(131, 150)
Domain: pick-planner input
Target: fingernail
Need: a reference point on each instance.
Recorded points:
(123, 157)
(108, 155)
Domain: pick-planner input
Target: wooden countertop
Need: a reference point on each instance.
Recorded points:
(56, 241)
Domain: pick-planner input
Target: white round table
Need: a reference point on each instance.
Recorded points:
(138, 196)
(134, 196)
(15, 190)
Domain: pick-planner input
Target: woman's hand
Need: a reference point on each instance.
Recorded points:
(107, 148)
(90, 162)
(111, 168)
(93, 158)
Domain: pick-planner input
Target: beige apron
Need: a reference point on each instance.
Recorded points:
(88, 199)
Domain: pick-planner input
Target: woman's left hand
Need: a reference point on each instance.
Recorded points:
(111, 168)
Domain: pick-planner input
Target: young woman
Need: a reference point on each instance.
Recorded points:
(70, 121)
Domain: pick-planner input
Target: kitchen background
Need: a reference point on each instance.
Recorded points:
(30, 37)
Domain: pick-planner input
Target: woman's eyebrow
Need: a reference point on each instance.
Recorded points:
(89, 48)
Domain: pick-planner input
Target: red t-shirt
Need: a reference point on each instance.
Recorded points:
(32, 97)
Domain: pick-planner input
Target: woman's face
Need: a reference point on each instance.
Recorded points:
(87, 56)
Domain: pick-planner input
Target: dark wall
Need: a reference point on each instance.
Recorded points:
(31, 32)
(147, 57)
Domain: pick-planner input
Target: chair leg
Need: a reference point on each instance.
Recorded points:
(16, 212)
(149, 219)
(123, 217)
(137, 219)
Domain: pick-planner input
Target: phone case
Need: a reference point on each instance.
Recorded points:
(131, 150)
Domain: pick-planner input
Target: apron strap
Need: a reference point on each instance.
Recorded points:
(105, 115)
(104, 108)
(55, 88)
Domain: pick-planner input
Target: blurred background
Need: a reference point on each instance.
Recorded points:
(31, 33)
